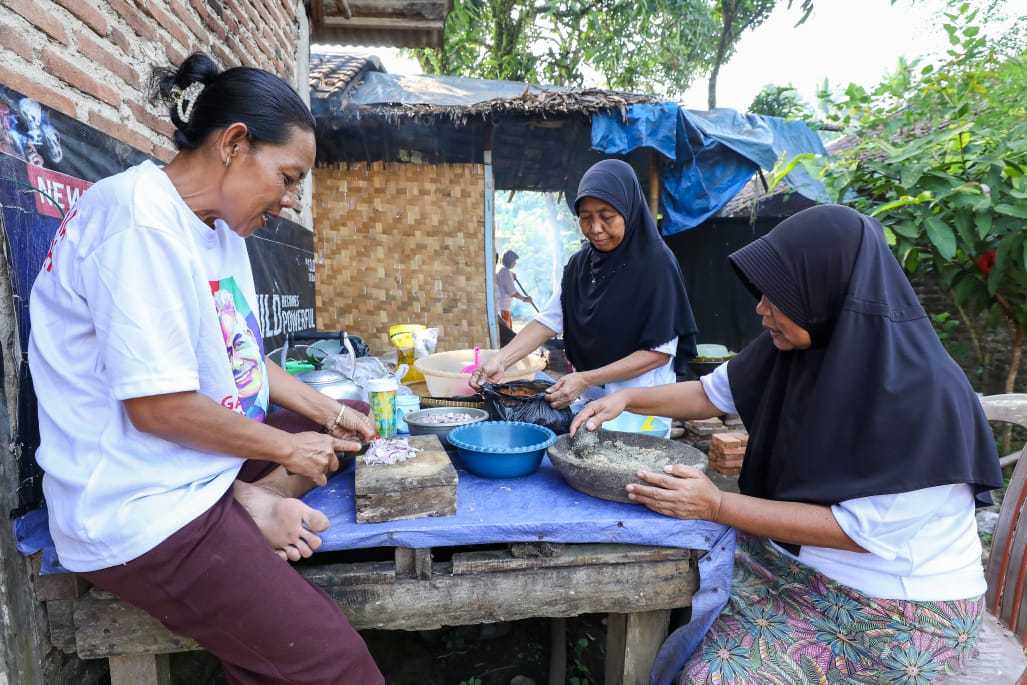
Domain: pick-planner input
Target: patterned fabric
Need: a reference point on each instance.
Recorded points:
(786, 624)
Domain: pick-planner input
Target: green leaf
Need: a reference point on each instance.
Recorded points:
(889, 236)
(1018, 211)
(906, 229)
(942, 237)
(983, 225)
(964, 228)
(964, 288)
(1008, 245)
(903, 201)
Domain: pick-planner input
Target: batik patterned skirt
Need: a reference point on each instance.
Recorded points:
(786, 624)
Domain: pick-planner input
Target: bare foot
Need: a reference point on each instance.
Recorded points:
(287, 523)
(283, 483)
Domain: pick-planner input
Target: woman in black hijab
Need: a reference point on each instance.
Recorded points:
(622, 307)
(867, 454)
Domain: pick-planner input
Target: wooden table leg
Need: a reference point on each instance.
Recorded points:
(145, 669)
(557, 651)
(632, 641)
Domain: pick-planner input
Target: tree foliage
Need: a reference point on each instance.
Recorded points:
(939, 155)
(656, 46)
(781, 101)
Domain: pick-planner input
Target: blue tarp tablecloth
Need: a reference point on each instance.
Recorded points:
(540, 507)
(711, 155)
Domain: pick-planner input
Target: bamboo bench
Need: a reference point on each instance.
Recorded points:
(636, 585)
(1003, 634)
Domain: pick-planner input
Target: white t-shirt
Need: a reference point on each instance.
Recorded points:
(551, 317)
(505, 289)
(921, 545)
(137, 297)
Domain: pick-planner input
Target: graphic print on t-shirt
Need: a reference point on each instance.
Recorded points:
(244, 345)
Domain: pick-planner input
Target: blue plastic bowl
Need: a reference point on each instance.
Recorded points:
(501, 449)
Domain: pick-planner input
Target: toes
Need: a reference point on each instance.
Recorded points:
(292, 553)
(281, 555)
(304, 549)
(314, 520)
(312, 541)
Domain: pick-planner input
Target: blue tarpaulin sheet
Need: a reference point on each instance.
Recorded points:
(540, 507)
(711, 155)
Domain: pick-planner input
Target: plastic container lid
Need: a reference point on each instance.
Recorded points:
(408, 400)
(382, 385)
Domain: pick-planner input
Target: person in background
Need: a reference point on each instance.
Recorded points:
(858, 558)
(621, 305)
(506, 288)
(163, 482)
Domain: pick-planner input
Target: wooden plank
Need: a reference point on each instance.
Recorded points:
(106, 627)
(1011, 408)
(632, 641)
(499, 561)
(413, 563)
(409, 9)
(56, 586)
(384, 24)
(60, 615)
(147, 669)
(422, 486)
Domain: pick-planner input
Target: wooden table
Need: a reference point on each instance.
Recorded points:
(411, 589)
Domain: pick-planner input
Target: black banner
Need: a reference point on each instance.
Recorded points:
(47, 160)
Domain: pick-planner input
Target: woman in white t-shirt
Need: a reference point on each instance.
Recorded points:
(868, 451)
(621, 306)
(163, 482)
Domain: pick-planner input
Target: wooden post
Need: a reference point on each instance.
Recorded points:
(557, 651)
(632, 641)
(145, 669)
(413, 563)
(654, 185)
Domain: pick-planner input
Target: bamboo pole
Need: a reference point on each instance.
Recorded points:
(654, 184)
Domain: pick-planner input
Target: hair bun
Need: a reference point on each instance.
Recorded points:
(166, 82)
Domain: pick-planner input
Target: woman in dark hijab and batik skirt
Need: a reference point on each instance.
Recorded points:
(858, 558)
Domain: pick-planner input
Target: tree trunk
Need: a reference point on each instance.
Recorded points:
(1014, 370)
(727, 9)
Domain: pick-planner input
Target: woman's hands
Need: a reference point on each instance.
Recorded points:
(313, 455)
(490, 372)
(594, 414)
(352, 425)
(567, 389)
(681, 491)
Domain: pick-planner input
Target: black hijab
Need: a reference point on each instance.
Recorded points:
(876, 406)
(631, 298)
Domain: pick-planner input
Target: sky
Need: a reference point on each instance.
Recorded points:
(846, 41)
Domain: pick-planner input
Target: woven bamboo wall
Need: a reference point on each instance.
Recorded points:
(401, 243)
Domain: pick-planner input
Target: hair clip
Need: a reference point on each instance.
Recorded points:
(185, 100)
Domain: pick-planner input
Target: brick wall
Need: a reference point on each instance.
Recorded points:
(91, 59)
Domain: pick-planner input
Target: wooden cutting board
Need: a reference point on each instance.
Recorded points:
(422, 486)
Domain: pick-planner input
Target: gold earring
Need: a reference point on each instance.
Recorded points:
(228, 160)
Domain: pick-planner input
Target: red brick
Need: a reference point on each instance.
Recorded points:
(88, 13)
(174, 54)
(289, 7)
(37, 15)
(42, 93)
(167, 22)
(76, 77)
(184, 15)
(164, 153)
(225, 58)
(133, 18)
(275, 7)
(105, 57)
(13, 38)
(119, 38)
(201, 9)
(150, 120)
(118, 130)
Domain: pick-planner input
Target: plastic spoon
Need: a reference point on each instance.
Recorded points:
(471, 368)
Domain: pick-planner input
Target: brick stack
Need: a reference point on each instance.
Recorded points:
(726, 452)
(699, 431)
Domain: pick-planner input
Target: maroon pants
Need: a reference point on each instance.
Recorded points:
(218, 581)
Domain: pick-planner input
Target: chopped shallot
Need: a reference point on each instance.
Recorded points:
(444, 418)
(392, 451)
